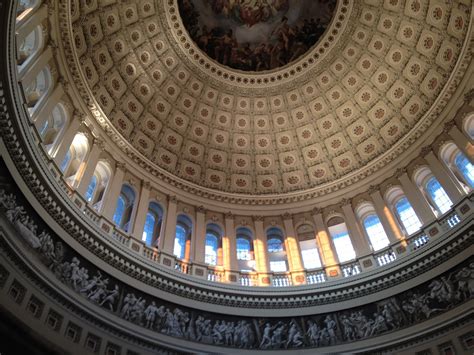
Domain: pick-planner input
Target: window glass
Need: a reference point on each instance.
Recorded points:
(119, 210)
(149, 228)
(65, 162)
(91, 188)
(342, 243)
(180, 241)
(243, 249)
(44, 128)
(311, 259)
(377, 236)
(408, 216)
(275, 245)
(438, 195)
(278, 266)
(210, 256)
(466, 168)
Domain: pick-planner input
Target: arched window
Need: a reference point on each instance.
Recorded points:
(53, 128)
(245, 253)
(374, 229)
(98, 184)
(403, 210)
(276, 250)
(466, 168)
(438, 196)
(182, 237)
(74, 157)
(308, 247)
(340, 237)
(37, 89)
(152, 226)
(30, 46)
(124, 208)
(213, 247)
(407, 216)
(459, 165)
(244, 244)
(434, 193)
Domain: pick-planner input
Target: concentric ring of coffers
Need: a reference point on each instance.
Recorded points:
(338, 122)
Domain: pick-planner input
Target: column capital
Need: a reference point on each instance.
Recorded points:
(345, 201)
(418, 165)
(448, 126)
(146, 185)
(173, 199)
(78, 115)
(201, 209)
(400, 171)
(98, 142)
(61, 79)
(373, 188)
(425, 151)
(229, 215)
(120, 165)
(287, 216)
(317, 210)
(257, 218)
(469, 96)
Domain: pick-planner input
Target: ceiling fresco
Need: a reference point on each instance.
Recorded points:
(360, 98)
(256, 35)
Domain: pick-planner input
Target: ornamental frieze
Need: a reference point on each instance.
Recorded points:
(421, 303)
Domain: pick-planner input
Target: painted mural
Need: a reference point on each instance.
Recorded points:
(256, 35)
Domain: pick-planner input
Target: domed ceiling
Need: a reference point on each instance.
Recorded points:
(354, 99)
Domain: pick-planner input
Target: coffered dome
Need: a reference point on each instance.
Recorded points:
(351, 105)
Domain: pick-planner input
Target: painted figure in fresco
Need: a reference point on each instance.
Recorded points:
(233, 36)
(248, 12)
